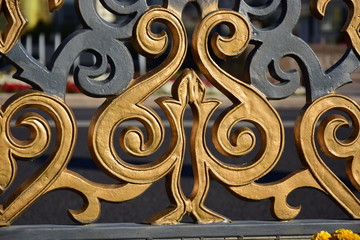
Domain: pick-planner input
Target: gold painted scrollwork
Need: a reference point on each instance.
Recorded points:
(13, 149)
(16, 23)
(348, 149)
(188, 89)
(317, 174)
(352, 26)
(249, 105)
(278, 192)
(129, 106)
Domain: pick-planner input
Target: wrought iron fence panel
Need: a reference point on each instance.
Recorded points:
(137, 29)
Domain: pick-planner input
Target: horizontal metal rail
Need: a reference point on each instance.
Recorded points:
(297, 229)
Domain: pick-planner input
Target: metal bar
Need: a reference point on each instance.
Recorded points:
(242, 230)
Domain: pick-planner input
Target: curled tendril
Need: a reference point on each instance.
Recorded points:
(235, 143)
(264, 10)
(249, 105)
(151, 44)
(132, 139)
(129, 106)
(329, 142)
(347, 149)
(14, 149)
(243, 136)
(93, 193)
(91, 18)
(38, 140)
(113, 57)
(232, 45)
(305, 131)
(352, 25)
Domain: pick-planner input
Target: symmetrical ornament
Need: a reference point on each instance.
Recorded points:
(125, 99)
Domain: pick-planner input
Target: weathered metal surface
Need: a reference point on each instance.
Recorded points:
(125, 97)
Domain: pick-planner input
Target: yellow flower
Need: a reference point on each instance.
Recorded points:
(344, 234)
(323, 235)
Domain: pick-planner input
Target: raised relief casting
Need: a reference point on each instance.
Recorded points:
(125, 102)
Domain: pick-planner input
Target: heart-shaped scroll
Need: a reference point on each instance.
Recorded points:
(349, 149)
(13, 149)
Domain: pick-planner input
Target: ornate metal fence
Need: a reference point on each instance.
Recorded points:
(315, 136)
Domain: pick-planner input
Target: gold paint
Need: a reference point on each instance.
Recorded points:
(188, 89)
(278, 192)
(317, 174)
(13, 149)
(352, 26)
(55, 4)
(94, 193)
(348, 150)
(249, 105)
(128, 106)
(16, 23)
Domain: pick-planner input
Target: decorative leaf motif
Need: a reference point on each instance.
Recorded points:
(189, 89)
